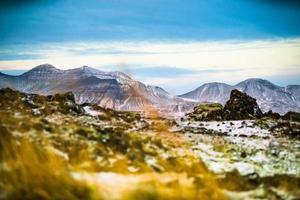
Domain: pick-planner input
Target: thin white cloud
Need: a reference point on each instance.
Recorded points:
(272, 54)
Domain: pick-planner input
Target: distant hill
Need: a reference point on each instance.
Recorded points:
(268, 95)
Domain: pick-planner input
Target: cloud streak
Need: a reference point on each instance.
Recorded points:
(190, 55)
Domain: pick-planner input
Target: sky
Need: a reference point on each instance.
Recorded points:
(175, 44)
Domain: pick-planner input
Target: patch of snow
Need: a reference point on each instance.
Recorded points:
(259, 157)
(36, 111)
(190, 99)
(91, 112)
(232, 128)
(244, 168)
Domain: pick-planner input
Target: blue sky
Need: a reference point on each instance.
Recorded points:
(104, 34)
(37, 21)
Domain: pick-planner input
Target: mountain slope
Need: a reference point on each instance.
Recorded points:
(114, 90)
(269, 96)
(210, 92)
(293, 90)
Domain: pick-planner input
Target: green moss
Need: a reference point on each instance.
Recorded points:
(207, 112)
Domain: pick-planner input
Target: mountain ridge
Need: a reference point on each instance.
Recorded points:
(119, 91)
(115, 90)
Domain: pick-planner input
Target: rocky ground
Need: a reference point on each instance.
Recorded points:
(260, 151)
(53, 148)
(268, 163)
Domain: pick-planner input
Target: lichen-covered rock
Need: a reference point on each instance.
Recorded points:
(292, 116)
(207, 112)
(240, 107)
(284, 127)
(37, 104)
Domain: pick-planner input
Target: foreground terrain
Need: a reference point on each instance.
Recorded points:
(53, 148)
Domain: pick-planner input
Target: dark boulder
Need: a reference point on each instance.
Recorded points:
(66, 102)
(240, 107)
(63, 97)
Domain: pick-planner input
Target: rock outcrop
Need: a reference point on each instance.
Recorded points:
(241, 106)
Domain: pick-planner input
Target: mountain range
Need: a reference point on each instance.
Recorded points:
(114, 90)
(119, 91)
(268, 95)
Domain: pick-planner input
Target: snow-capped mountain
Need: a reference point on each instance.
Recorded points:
(210, 92)
(114, 90)
(268, 95)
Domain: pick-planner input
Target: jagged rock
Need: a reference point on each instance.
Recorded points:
(207, 112)
(241, 106)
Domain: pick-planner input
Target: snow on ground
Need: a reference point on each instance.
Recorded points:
(243, 146)
(91, 112)
(241, 128)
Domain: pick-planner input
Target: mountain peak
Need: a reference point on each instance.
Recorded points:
(44, 67)
(210, 92)
(214, 84)
(259, 81)
(85, 70)
(256, 83)
(158, 89)
(255, 79)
